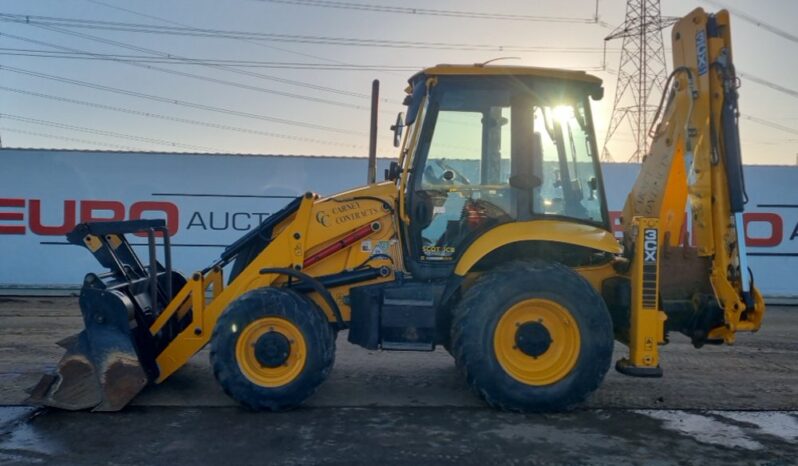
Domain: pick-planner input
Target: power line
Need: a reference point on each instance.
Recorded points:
(229, 69)
(291, 82)
(182, 103)
(249, 73)
(268, 77)
(432, 12)
(175, 119)
(366, 41)
(259, 44)
(772, 143)
(770, 84)
(770, 124)
(195, 61)
(756, 22)
(173, 72)
(67, 138)
(296, 38)
(83, 129)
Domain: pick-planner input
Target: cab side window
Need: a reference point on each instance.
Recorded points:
(464, 184)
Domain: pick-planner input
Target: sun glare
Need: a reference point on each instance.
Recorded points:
(563, 114)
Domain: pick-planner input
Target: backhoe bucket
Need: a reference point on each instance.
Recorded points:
(113, 358)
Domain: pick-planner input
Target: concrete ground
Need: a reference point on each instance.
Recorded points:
(717, 404)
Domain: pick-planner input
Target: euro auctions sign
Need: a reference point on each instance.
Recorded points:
(209, 201)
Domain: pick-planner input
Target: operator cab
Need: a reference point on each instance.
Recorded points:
(488, 145)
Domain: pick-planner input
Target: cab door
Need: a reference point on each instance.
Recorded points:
(473, 139)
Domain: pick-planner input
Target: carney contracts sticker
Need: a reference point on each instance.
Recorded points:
(344, 213)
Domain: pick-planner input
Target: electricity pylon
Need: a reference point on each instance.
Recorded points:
(641, 73)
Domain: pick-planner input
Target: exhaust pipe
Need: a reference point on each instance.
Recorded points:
(375, 97)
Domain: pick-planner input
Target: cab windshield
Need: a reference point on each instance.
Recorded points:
(498, 150)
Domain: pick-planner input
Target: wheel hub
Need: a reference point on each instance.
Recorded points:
(532, 339)
(272, 349)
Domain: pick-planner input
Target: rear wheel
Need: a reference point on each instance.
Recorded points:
(271, 349)
(532, 336)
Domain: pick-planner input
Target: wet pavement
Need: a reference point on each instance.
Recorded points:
(716, 405)
(402, 436)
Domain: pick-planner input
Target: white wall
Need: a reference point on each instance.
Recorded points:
(214, 199)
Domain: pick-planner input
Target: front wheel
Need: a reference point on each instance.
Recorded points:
(271, 349)
(532, 336)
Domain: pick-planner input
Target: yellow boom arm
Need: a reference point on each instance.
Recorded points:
(695, 157)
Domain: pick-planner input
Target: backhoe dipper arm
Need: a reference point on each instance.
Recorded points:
(695, 156)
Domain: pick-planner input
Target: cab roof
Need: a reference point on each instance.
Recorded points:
(505, 70)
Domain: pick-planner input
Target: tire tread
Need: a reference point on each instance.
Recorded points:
(491, 291)
(264, 302)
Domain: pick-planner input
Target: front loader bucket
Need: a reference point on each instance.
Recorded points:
(101, 368)
(113, 358)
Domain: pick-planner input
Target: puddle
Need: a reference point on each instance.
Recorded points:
(18, 438)
(778, 424)
(11, 415)
(704, 429)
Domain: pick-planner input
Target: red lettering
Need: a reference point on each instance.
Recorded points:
(12, 216)
(776, 229)
(88, 209)
(35, 221)
(167, 208)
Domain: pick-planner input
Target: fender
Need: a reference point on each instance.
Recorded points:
(537, 230)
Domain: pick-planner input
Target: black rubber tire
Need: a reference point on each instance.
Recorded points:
(474, 323)
(265, 302)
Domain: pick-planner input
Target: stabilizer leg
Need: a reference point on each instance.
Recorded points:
(647, 323)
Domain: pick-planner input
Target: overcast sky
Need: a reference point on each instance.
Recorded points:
(325, 112)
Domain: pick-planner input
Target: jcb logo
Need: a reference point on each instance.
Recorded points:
(650, 245)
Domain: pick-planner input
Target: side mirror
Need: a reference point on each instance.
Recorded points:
(397, 129)
(393, 171)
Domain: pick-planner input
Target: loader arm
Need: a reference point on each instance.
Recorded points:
(144, 323)
(694, 157)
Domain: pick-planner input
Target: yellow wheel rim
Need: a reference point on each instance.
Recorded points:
(262, 375)
(556, 360)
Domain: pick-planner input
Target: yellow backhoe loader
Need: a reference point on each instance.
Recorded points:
(489, 236)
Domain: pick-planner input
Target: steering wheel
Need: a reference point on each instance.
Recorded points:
(450, 175)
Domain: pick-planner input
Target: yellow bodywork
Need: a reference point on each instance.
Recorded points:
(505, 70)
(537, 230)
(316, 224)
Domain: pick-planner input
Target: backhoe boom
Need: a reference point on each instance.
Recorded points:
(695, 156)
